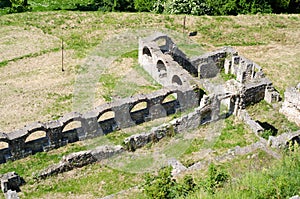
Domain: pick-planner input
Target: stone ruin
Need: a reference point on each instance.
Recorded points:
(186, 80)
(291, 105)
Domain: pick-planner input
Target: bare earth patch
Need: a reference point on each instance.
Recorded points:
(17, 42)
(27, 86)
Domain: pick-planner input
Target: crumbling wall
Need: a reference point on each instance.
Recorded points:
(162, 59)
(90, 126)
(205, 113)
(210, 64)
(80, 159)
(165, 62)
(291, 105)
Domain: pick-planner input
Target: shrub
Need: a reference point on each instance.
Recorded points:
(216, 179)
(5, 3)
(144, 5)
(267, 133)
(160, 186)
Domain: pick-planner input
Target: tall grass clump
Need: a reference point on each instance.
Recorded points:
(281, 180)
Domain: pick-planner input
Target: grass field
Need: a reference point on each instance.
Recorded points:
(33, 87)
(32, 84)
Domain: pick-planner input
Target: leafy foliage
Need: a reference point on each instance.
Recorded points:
(163, 186)
(216, 179)
(5, 3)
(192, 7)
(160, 186)
(144, 5)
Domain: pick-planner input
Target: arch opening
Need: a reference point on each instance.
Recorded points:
(107, 121)
(139, 112)
(146, 51)
(36, 135)
(139, 106)
(106, 116)
(161, 68)
(3, 145)
(171, 103)
(169, 98)
(4, 152)
(176, 80)
(36, 141)
(72, 131)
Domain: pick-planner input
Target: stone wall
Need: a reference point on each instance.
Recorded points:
(165, 63)
(90, 124)
(291, 105)
(80, 159)
(207, 112)
(169, 66)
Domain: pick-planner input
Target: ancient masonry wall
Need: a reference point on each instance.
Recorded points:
(291, 105)
(178, 74)
(92, 126)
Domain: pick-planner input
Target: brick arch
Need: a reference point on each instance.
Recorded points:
(4, 149)
(34, 130)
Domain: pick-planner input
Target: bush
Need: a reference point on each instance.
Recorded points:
(115, 5)
(160, 186)
(267, 133)
(144, 5)
(5, 3)
(216, 179)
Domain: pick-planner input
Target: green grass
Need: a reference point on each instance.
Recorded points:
(61, 104)
(30, 165)
(265, 112)
(279, 181)
(87, 182)
(233, 134)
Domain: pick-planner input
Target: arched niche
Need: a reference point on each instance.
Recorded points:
(72, 130)
(73, 125)
(169, 98)
(139, 111)
(107, 115)
(146, 51)
(36, 135)
(171, 103)
(161, 68)
(176, 80)
(3, 145)
(35, 141)
(139, 106)
(107, 121)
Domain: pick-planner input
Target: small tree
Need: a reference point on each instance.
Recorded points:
(161, 186)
